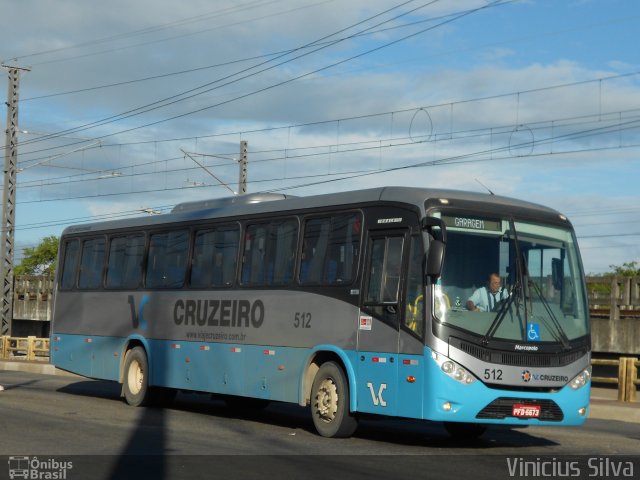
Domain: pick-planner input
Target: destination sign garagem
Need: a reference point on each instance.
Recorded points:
(472, 223)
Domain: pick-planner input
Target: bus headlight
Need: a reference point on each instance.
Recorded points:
(448, 367)
(581, 379)
(452, 369)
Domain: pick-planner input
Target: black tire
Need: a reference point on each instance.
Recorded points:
(465, 431)
(330, 402)
(136, 378)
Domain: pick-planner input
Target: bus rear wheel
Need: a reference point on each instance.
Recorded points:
(136, 381)
(330, 402)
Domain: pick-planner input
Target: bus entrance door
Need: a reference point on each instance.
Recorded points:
(379, 323)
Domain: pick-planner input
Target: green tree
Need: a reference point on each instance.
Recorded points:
(628, 269)
(39, 260)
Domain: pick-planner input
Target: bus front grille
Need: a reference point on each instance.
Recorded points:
(518, 359)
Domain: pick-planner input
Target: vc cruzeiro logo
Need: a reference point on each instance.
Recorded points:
(26, 467)
(527, 376)
(137, 315)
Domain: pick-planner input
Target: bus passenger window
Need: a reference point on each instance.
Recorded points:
(254, 255)
(124, 268)
(91, 264)
(343, 249)
(283, 239)
(269, 253)
(167, 262)
(70, 264)
(316, 239)
(386, 266)
(215, 255)
(330, 250)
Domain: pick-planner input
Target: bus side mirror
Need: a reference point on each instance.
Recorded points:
(435, 259)
(429, 223)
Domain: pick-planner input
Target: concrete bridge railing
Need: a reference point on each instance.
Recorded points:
(614, 297)
(33, 298)
(614, 304)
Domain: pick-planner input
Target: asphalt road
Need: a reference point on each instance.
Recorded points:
(86, 422)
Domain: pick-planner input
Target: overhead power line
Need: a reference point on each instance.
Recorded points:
(183, 35)
(608, 235)
(230, 62)
(146, 30)
(90, 218)
(472, 157)
(300, 153)
(190, 93)
(135, 112)
(355, 117)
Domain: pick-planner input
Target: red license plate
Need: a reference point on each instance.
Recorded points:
(521, 410)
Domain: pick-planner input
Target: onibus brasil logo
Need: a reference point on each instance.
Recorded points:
(38, 469)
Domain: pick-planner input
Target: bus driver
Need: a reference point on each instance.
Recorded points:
(486, 299)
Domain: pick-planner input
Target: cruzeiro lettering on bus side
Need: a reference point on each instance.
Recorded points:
(219, 313)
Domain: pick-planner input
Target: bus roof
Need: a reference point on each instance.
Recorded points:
(264, 203)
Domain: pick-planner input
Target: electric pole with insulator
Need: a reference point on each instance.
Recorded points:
(242, 181)
(9, 198)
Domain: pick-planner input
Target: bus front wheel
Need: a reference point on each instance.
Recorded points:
(136, 381)
(330, 402)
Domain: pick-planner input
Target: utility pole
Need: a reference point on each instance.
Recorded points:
(242, 181)
(9, 198)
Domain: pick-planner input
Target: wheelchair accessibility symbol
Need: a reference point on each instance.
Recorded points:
(533, 332)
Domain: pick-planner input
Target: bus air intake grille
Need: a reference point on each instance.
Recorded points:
(476, 351)
(518, 359)
(502, 408)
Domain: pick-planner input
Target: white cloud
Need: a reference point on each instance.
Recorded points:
(495, 54)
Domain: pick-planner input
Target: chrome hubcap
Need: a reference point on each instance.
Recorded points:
(327, 400)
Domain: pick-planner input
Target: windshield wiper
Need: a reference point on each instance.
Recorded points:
(514, 296)
(522, 273)
(518, 293)
(521, 292)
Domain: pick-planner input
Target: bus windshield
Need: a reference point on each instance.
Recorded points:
(510, 280)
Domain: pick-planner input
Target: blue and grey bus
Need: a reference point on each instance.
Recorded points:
(350, 303)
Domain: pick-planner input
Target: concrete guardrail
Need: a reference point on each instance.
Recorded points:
(627, 379)
(29, 348)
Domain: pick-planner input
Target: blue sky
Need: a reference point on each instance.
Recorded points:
(538, 100)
